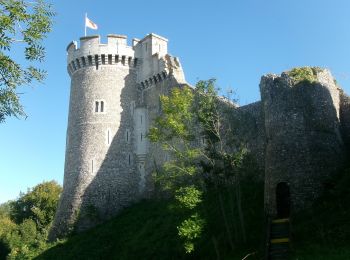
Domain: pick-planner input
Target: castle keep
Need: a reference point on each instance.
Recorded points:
(298, 133)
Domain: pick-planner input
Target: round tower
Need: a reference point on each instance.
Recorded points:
(99, 164)
(303, 142)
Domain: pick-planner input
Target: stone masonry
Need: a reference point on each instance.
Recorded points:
(298, 133)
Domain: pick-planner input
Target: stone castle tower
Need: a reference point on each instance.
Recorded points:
(298, 133)
(114, 94)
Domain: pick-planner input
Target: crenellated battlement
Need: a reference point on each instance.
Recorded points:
(89, 45)
(98, 60)
(153, 80)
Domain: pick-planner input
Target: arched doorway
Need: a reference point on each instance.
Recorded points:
(282, 200)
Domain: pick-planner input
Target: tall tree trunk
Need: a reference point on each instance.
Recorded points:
(235, 228)
(225, 221)
(240, 211)
(216, 247)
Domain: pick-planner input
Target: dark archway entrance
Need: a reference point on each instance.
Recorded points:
(282, 200)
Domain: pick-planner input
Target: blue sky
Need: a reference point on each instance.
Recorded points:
(234, 41)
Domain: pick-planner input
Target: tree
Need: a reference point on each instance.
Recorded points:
(23, 26)
(38, 204)
(24, 223)
(194, 128)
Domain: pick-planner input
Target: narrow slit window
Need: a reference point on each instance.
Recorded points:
(141, 137)
(108, 141)
(127, 135)
(83, 61)
(129, 159)
(96, 61)
(109, 59)
(135, 62)
(141, 120)
(102, 106)
(116, 58)
(129, 60)
(96, 106)
(123, 60)
(90, 60)
(78, 63)
(103, 58)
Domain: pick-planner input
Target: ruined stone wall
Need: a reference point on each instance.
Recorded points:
(249, 130)
(303, 142)
(345, 118)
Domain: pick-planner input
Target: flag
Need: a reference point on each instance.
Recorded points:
(90, 24)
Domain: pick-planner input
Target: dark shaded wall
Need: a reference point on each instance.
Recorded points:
(303, 141)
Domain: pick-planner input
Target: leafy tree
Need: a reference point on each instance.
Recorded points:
(24, 223)
(38, 204)
(5, 209)
(23, 26)
(7, 226)
(190, 117)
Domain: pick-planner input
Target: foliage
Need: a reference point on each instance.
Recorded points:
(6, 227)
(189, 196)
(174, 130)
(189, 117)
(24, 223)
(5, 209)
(38, 204)
(23, 26)
(190, 229)
(308, 74)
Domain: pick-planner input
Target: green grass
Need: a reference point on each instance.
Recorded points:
(147, 230)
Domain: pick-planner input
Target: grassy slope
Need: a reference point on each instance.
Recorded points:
(148, 231)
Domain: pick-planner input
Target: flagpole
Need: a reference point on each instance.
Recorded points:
(85, 23)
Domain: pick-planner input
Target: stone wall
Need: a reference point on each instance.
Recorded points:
(345, 118)
(303, 142)
(248, 123)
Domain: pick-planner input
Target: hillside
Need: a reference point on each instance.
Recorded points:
(148, 231)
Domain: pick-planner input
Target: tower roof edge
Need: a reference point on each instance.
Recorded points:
(154, 35)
